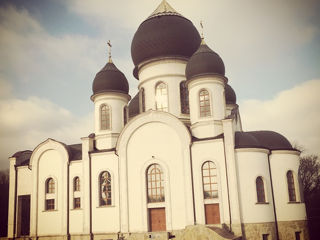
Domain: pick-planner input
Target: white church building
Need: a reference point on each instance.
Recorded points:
(172, 163)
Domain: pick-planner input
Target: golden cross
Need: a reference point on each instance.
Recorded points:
(201, 29)
(109, 51)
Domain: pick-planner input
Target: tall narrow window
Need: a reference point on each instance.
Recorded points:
(50, 194)
(143, 100)
(76, 193)
(204, 101)
(105, 189)
(104, 117)
(291, 188)
(125, 115)
(155, 184)
(184, 97)
(50, 186)
(76, 184)
(161, 97)
(209, 180)
(260, 190)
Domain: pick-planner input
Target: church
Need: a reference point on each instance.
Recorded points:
(173, 162)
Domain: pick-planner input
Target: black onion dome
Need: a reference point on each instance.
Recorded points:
(204, 62)
(134, 106)
(110, 79)
(262, 139)
(231, 97)
(165, 33)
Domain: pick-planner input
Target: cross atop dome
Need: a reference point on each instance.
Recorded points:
(164, 9)
(109, 51)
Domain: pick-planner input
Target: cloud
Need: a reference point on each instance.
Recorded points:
(293, 113)
(26, 123)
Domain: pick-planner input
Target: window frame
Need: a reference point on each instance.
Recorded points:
(50, 193)
(163, 109)
(184, 98)
(155, 185)
(142, 95)
(258, 191)
(107, 116)
(211, 182)
(201, 112)
(125, 115)
(291, 187)
(100, 198)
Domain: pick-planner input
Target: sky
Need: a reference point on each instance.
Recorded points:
(50, 51)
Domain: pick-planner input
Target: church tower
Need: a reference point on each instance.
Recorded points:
(206, 82)
(160, 50)
(110, 96)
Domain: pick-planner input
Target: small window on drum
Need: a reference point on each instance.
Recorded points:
(184, 98)
(204, 102)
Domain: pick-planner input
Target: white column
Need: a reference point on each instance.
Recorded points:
(229, 145)
(87, 146)
(12, 185)
(188, 189)
(123, 184)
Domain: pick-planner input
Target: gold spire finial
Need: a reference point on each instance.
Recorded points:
(109, 51)
(202, 35)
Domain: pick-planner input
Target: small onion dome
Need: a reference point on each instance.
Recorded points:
(165, 33)
(110, 79)
(134, 106)
(262, 139)
(204, 62)
(231, 97)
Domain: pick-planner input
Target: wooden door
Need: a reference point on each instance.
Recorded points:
(23, 215)
(212, 213)
(157, 219)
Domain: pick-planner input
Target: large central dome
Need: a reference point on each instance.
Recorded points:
(165, 33)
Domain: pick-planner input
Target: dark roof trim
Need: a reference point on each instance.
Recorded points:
(194, 139)
(103, 150)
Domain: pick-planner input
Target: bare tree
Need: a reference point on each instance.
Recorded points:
(309, 172)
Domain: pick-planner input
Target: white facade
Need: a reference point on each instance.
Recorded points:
(206, 169)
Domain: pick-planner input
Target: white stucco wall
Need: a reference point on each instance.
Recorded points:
(116, 101)
(51, 222)
(169, 71)
(253, 163)
(151, 144)
(209, 150)
(105, 219)
(23, 182)
(203, 127)
(281, 162)
(76, 223)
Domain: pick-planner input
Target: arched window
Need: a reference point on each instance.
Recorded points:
(125, 115)
(204, 101)
(155, 183)
(143, 100)
(50, 186)
(76, 184)
(105, 189)
(260, 190)
(161, 97)
(104, 117)
(50, 194)
(209, 180)
(184, 97)
(76, 195)
(291, 188)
